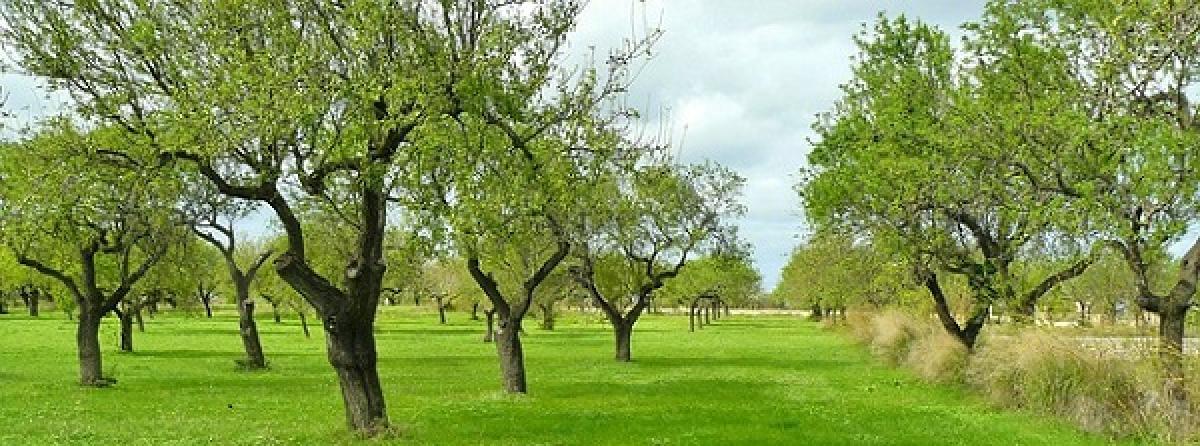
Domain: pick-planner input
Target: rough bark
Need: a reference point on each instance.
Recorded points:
(512, 355)
(125, 316)
(350, 344)
(623, 334)
(491, 325)
(247, 327)
(966, 335)
(87, 342)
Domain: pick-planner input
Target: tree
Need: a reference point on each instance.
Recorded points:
(323, 95)
(1134, 65)
(903, 161)
(101, 228)
(212, 218)
(664, 217)
(445, 281)
(731, 276)
(520, 134)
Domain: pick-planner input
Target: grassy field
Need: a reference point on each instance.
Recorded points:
(747, 380)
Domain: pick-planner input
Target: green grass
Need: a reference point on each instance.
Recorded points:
(757, 380)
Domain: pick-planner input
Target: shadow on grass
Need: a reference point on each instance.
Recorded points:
(429, 331)
(799, 365)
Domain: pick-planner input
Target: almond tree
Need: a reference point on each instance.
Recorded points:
(930, 158)
(84, 208)
(278, 103)
(212, 217)
(657, 221)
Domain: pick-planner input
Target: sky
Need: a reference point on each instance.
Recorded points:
(738, 82)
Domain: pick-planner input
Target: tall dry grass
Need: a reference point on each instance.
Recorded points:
(1117, 392)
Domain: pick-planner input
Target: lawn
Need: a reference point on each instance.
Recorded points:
(746, 380)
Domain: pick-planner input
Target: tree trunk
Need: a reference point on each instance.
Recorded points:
(87, 341)
(816, 313)
(126, 318)
(491, 325)
(512, 355)
(275, 312)
(441, 310)
(475, 311)
(207, 306)
(623, 332)
(249, 328)
(350, 343)
(547, 316)
(1171, 320)
(304, 325)
(141, 323)
(33, 303)
(705, 309)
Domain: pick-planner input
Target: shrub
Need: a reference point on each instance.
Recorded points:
(938, 357)
(892, 334)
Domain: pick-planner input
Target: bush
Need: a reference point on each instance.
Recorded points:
(937, 356)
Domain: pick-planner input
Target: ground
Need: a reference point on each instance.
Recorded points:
(746, 380)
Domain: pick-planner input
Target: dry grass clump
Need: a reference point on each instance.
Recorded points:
(1115, 392)
(1101, 393)
(892, 335)
(938, 357)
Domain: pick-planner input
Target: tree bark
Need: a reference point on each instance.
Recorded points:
(87, 341)
(966, 335)
(512, 356)
(248, 328)
(475, 311)
(275, 312)
(126, 319)
(623, 333)
(491, 325)
(1170, 331)
(141, 322)
(350, 343)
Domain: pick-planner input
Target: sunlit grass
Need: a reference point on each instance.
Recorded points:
(745, 380)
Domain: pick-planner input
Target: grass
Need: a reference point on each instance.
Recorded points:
(745, 380)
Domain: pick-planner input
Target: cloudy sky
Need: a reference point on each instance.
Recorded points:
(742, 81)
(738, 81)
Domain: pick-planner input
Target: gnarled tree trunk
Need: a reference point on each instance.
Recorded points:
(511, 354)
(248, 328)
(87, 341)
(350, 344)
